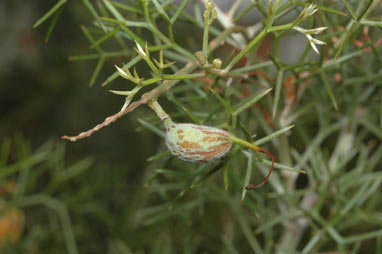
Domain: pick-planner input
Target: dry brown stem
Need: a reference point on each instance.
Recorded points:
(107, 121)
(145, 98)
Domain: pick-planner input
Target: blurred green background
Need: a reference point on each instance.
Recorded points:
(43, 96)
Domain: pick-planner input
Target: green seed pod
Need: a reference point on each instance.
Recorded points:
(197, 143)
(201, 144)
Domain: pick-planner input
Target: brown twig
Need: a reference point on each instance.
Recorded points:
(107, 121)
(156, 92)
(145, 98)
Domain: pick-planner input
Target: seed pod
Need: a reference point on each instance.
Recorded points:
(197, 143)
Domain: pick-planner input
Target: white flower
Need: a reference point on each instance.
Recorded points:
(312, 41)
(308, 11)
(140, 49)
(310, 31)
(120, 92)
(122, 72)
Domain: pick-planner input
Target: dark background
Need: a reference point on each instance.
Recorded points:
(44, 95)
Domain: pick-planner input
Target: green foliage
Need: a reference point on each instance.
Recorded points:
(325, 194)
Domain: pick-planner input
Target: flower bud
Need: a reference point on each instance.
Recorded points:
(217, 63)
(197, 143)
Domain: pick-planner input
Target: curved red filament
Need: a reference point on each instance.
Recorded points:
(251, 186)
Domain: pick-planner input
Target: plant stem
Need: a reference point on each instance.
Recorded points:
(237, 58)
(205, 37)
(245, 143)
(160, 112)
